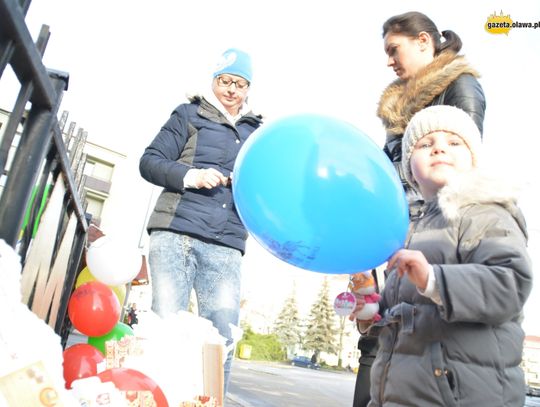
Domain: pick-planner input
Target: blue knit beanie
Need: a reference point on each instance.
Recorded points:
(235, 62)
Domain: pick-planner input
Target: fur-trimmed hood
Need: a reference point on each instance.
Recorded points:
(480, 187)
(209, 99)
(402, 99)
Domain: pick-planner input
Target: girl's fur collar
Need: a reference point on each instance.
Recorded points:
(402, 99)
(478, 187)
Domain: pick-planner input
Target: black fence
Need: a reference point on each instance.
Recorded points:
(41, 211)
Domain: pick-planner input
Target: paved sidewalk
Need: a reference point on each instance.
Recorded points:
(232, 401)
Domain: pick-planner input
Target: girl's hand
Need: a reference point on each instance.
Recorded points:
(360, 303)
(413, 263)
(362, 324)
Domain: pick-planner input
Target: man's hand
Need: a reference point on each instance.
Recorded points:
(205, 178)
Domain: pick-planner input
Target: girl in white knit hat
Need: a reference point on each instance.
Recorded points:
(452, 303)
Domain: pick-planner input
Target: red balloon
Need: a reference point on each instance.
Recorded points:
(132, 380)
(80, 361)
(94, 309)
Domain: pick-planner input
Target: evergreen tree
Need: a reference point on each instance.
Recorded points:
(320, 331)
(287, 325)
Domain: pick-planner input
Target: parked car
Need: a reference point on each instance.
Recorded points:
(532, 401)
(304, 361)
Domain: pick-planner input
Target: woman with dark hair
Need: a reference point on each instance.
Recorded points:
(430, 71)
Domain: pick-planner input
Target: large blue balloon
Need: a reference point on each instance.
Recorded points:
(319, 194)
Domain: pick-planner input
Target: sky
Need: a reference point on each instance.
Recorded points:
(132, 62)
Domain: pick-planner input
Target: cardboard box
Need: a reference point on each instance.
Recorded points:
(213, 375)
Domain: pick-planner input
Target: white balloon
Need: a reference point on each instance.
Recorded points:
(112, 262)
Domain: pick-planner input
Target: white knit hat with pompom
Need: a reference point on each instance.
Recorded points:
(439, 118)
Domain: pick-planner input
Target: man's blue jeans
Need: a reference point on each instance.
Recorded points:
(179, 263)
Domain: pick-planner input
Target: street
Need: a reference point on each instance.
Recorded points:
(270, 384)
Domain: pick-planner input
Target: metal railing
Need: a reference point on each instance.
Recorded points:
(41, 212)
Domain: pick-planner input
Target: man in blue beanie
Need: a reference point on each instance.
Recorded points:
(196, 237)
